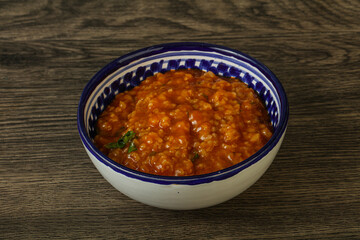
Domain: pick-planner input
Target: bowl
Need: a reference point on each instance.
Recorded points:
(191, 192)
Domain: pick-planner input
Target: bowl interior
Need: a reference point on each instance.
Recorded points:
(128, 71)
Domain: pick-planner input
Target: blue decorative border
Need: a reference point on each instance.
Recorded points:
(189, 54)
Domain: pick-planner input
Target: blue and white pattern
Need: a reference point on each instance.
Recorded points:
(127, 77)
(128, 71)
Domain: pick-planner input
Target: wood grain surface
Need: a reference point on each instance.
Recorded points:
(49, 188)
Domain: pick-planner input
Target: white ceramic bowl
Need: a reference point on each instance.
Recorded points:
(191, 192)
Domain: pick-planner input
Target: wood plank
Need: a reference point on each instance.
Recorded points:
(49, 50)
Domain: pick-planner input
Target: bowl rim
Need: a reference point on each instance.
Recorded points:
(183, 180)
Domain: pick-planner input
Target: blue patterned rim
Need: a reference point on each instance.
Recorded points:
(129, 70)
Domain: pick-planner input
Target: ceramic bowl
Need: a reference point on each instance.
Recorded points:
(190, 192)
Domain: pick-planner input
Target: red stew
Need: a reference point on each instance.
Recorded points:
(183, 122)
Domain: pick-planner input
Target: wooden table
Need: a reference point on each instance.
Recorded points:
(49, 189)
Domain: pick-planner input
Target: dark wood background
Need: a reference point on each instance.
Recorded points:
(49, 189)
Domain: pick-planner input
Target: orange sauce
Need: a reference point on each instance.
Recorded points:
(186, 122)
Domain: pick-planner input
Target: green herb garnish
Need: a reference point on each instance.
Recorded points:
(112, 145)
(152, 153)
(121, 143)
(132, 147)
(196, 156)
(129, 136)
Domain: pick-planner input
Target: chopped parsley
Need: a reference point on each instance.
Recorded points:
(132, 147)
(121, 143)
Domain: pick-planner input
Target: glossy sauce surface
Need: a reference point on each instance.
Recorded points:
(186, 122)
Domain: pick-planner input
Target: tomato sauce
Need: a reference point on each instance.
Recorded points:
(184, 122)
